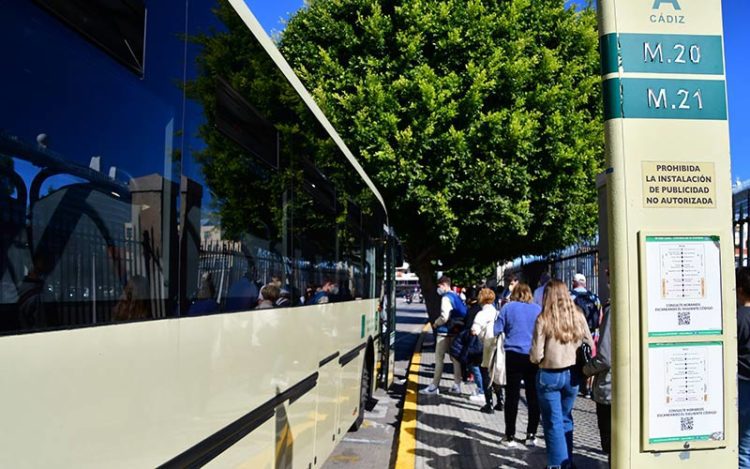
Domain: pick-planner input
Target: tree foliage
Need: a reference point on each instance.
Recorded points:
(479, 120)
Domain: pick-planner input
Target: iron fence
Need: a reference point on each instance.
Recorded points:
(584, 260)
(562, 265)
(741, 223)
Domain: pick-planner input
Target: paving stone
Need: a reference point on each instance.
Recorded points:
(452, 433)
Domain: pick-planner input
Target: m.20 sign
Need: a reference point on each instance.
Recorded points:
(654, 53)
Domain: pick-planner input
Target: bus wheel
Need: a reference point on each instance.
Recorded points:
(364, 390)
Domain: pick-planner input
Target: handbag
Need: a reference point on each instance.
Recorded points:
(466, 347)
(583, 356)
(497, 364)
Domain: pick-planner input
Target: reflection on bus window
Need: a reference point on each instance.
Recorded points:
(87, 164)
(188, 188)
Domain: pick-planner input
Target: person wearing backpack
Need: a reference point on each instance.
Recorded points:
(591, 307)
(446, 326)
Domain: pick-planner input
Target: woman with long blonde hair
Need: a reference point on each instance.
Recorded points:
(559, 331)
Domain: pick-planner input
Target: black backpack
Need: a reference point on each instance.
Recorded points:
(588, 303)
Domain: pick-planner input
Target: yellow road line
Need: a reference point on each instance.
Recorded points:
(407, 436)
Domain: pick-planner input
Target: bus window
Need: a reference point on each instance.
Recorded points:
(233, 222)
(116, 26)
(88, 150)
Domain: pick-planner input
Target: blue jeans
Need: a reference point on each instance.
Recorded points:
(556, 391)
(477, 377)
(744, 408)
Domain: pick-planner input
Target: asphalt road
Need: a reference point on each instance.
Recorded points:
(371, 447)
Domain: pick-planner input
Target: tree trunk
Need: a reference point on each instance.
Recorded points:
(426, 272)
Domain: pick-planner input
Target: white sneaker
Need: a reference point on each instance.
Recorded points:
(431, 389)
(509, 443)
(532, 441)
(477, 397)
(456, 388)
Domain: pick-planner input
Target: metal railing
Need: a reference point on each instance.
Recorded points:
(562, 265)
(584, 259)
(741, 225)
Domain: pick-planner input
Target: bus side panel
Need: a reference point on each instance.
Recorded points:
(86, 397)
(286, 441)
(255, 451)
(351, 373)
(329, 381)
(351, 381)
(140, 394)
(327, 413)
(261, 353)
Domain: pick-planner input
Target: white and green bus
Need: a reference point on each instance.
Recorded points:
(161, 167)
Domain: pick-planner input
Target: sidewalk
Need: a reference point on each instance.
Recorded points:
(448, 431)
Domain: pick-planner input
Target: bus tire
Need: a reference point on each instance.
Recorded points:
(364, 393)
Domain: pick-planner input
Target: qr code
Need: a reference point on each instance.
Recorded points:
(683, 318)
(686, 424)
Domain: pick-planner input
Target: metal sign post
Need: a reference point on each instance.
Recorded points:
(670, 238)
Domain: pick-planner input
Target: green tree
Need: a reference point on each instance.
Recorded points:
(480, 120)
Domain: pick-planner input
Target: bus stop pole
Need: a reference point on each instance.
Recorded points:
(671, 245)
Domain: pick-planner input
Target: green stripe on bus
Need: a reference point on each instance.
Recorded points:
(650, 98)
(362, 329)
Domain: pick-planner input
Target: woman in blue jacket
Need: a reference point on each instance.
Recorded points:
(518, 318)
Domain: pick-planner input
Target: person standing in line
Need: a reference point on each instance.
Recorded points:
(743, 362)
(588, 302)
(539, 292)
(511, 280)
(517, 320)
(559, 331)
(473, 307)
(482, 326)
(452, 311)
(600, 367)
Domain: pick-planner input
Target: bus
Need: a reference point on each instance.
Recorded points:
(193, 262)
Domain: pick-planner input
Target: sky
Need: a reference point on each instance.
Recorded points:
(271, 15)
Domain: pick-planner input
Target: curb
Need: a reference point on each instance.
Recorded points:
(406, 443)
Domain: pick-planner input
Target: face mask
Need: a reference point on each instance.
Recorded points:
(441, 291)
(334, 290)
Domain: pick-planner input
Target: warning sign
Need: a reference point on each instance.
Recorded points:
(679, 185)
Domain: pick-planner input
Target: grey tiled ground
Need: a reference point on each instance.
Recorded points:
(452, 433)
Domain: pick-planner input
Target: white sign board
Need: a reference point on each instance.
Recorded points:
(686, 392)
(683, 278)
